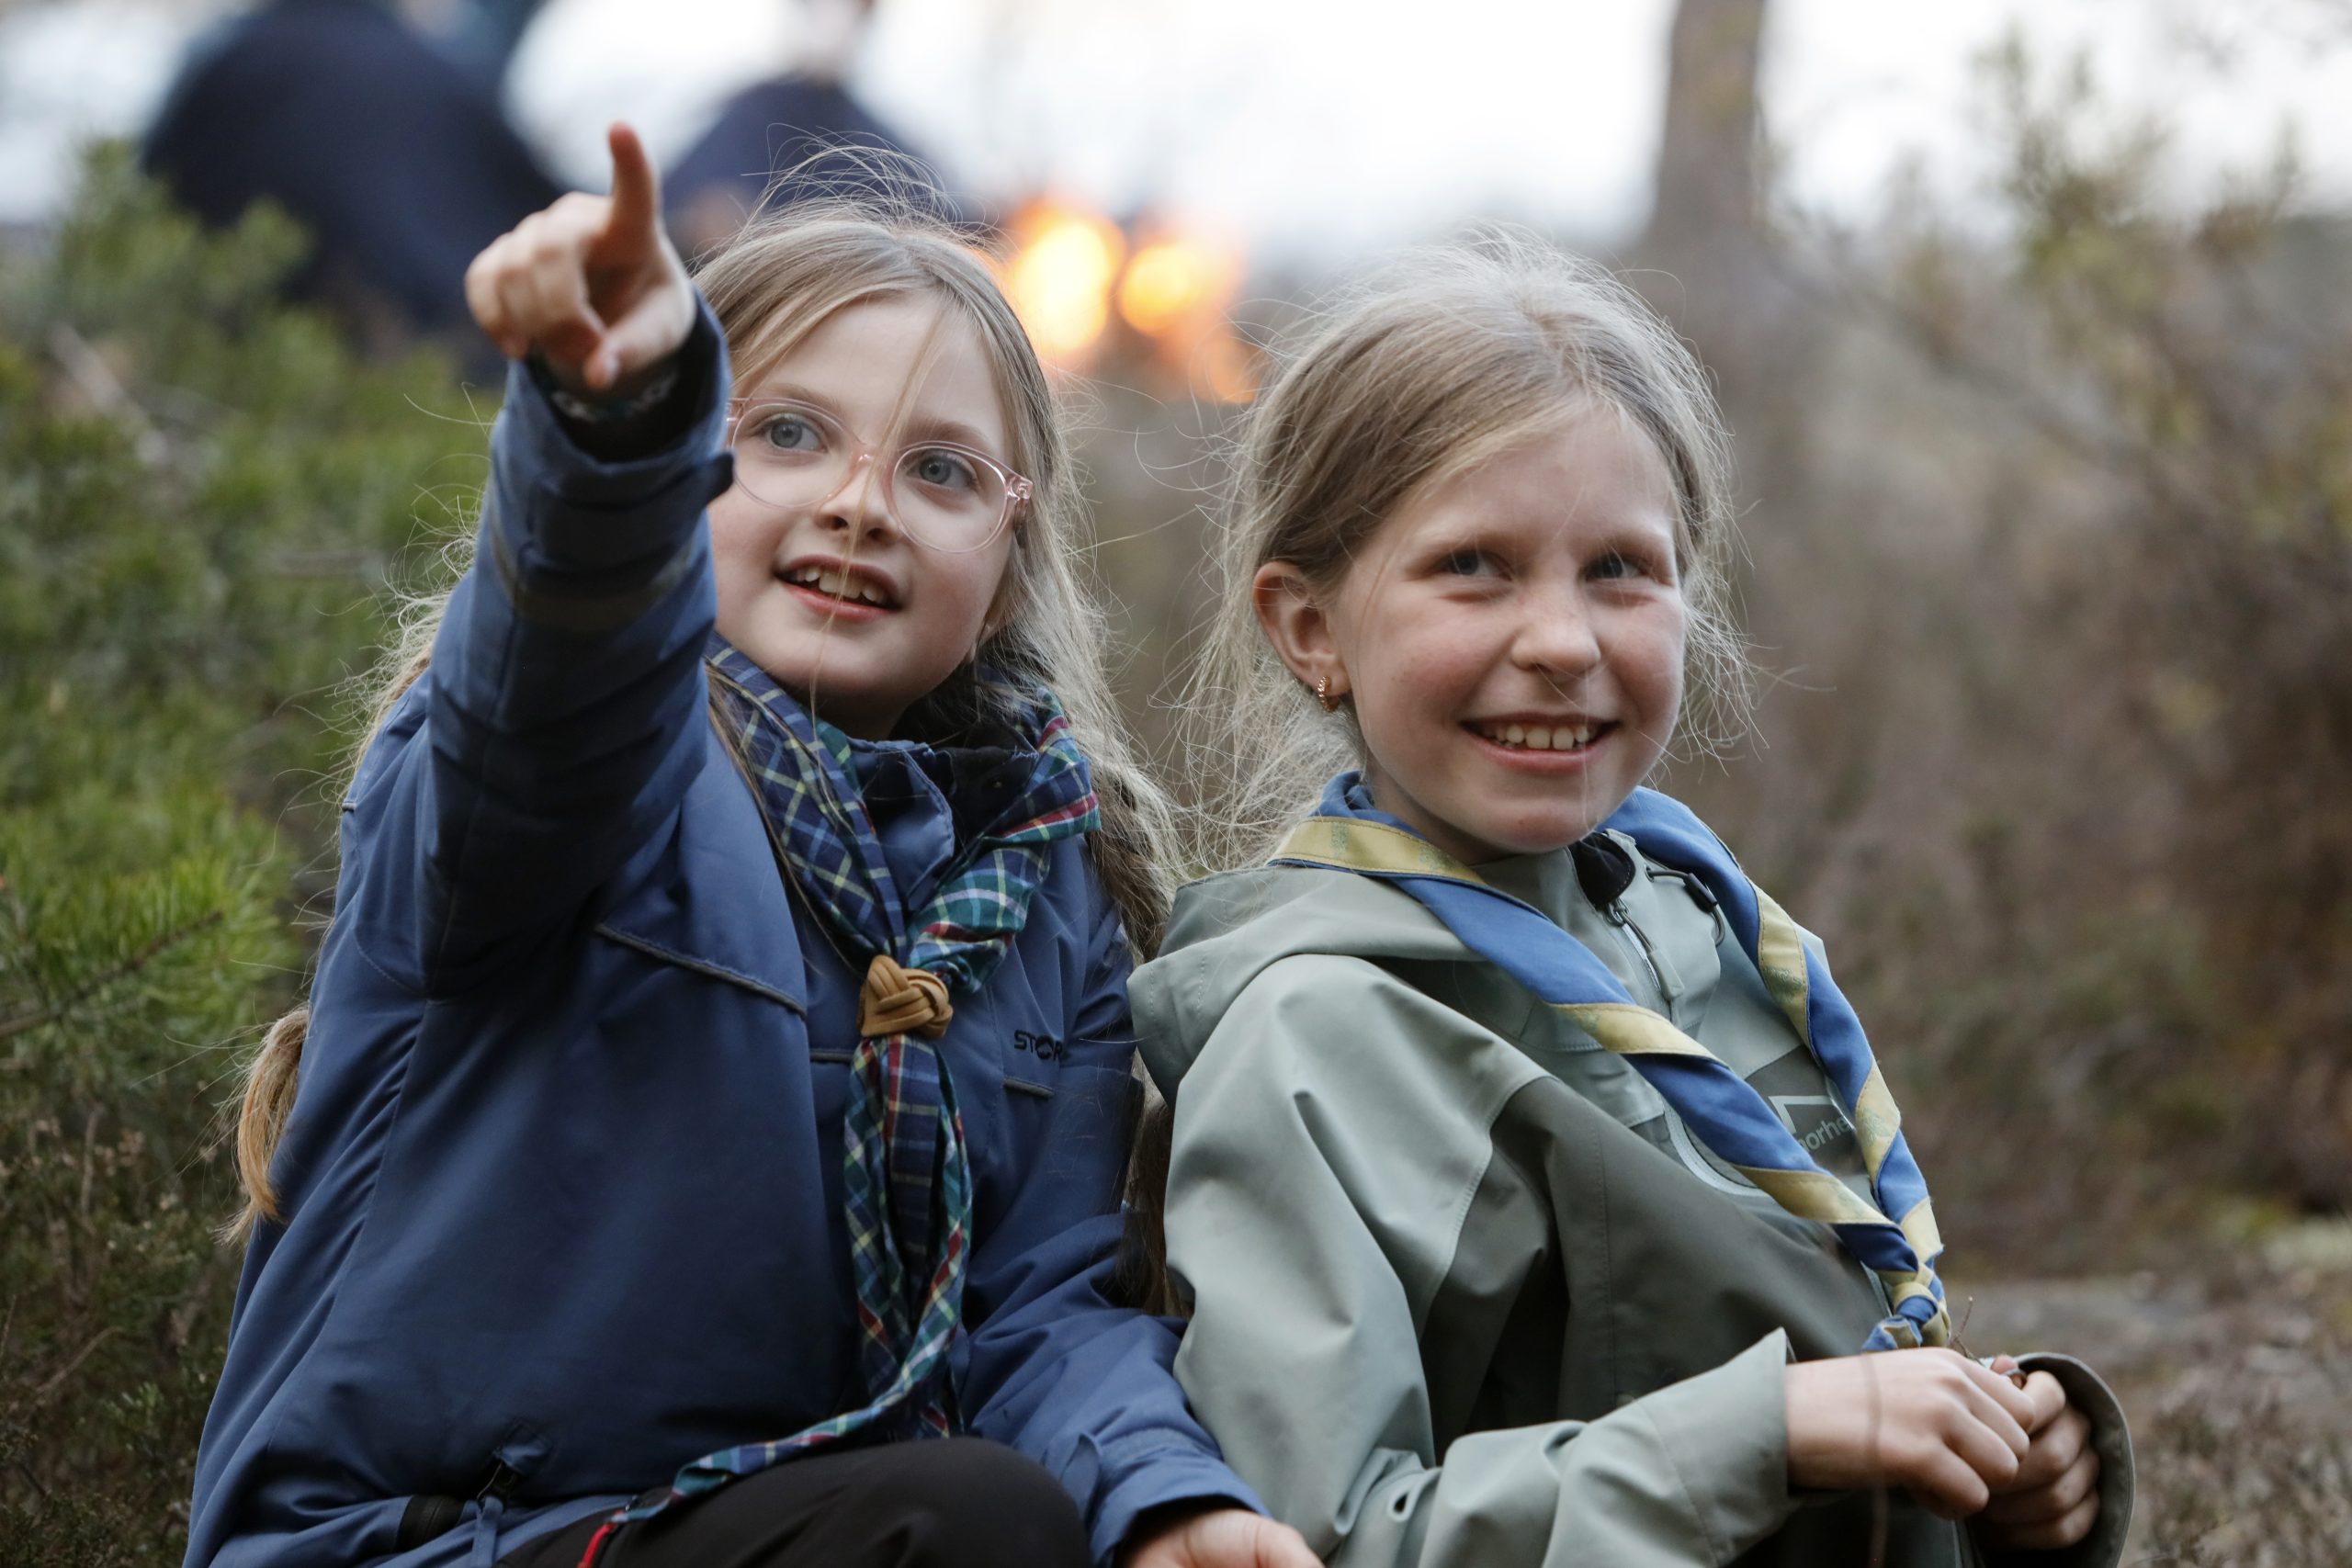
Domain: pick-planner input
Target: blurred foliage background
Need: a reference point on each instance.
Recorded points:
(2049, 556)
(205, 502)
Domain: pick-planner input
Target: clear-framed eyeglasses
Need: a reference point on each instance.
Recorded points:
(947, 497)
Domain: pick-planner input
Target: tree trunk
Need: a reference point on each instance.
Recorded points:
(1706, 188)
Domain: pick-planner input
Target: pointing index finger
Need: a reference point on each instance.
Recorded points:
(636, 190)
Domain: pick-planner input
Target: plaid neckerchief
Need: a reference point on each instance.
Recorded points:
(1893, 1233)
(907, 1172)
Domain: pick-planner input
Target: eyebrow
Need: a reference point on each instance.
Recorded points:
(916, 426)
(1620, 535)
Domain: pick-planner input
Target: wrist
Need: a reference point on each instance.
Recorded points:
(649, 414)
(630, 397)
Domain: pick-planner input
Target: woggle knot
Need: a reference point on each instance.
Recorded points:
(902, 1002)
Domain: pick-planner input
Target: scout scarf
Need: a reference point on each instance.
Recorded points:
(1896, 1237)
(907, 1176)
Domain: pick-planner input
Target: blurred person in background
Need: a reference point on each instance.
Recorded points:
(481, 36)
(394, 158)
(772, 128)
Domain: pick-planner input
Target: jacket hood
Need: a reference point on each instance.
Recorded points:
(1225, 932)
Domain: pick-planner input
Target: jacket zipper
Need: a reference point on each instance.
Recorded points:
(1637, 941)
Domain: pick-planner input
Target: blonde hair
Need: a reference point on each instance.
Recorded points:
(783, 274)
(1438, 363)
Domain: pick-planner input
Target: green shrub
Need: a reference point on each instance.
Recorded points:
(203, 497)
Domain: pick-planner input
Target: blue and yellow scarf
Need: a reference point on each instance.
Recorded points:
(1895, 1237)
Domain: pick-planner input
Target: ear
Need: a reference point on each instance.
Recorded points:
(1299, 627)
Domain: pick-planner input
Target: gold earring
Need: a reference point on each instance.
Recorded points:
(1323, 694)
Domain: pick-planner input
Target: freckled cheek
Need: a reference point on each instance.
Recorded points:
(1437, 674)
(1413, 668)
(1659, 671)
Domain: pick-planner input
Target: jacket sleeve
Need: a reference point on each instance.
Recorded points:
(1055, 1369)
(1329, 1139)
(566, 696)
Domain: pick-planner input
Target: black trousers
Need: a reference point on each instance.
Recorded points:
(961, 1503)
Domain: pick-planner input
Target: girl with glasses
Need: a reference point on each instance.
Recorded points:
(716, 1075)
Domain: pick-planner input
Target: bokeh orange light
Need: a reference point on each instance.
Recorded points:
(1070, 268)
(1225, 370)
(1173, 282)
(1064, 266)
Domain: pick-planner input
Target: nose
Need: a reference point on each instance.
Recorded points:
(860, 505)
(1557, 633)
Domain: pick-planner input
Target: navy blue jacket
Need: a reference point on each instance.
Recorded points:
(563, 1176)
(398, 166)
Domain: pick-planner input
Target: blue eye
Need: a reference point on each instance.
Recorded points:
(1613, 565)
(790, 433)
(1465, 563)
(941, 467)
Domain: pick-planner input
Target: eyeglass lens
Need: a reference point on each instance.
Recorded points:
(791, 455)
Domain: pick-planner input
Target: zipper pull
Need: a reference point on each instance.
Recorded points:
(1701, 895)
(504, 1479)
(1617, 915)
(489, 1510)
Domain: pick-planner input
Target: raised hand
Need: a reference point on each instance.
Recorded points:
(592, 283)
(2053, 1499)
(1947, 1430)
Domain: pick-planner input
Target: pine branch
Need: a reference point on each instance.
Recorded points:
(14, 1026)
(96, 380)
(57, 1380)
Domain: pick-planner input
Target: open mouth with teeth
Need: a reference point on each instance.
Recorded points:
(1542, 737)
(842, 587)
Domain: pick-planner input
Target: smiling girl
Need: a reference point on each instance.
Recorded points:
(718, 1068)
(1533, 1186)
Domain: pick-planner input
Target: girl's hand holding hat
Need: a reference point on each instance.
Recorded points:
(1951, 1431)
(2053, 1500)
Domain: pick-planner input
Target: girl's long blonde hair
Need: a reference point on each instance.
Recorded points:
(1445, 358)
(785, 273)
(1439, 361)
